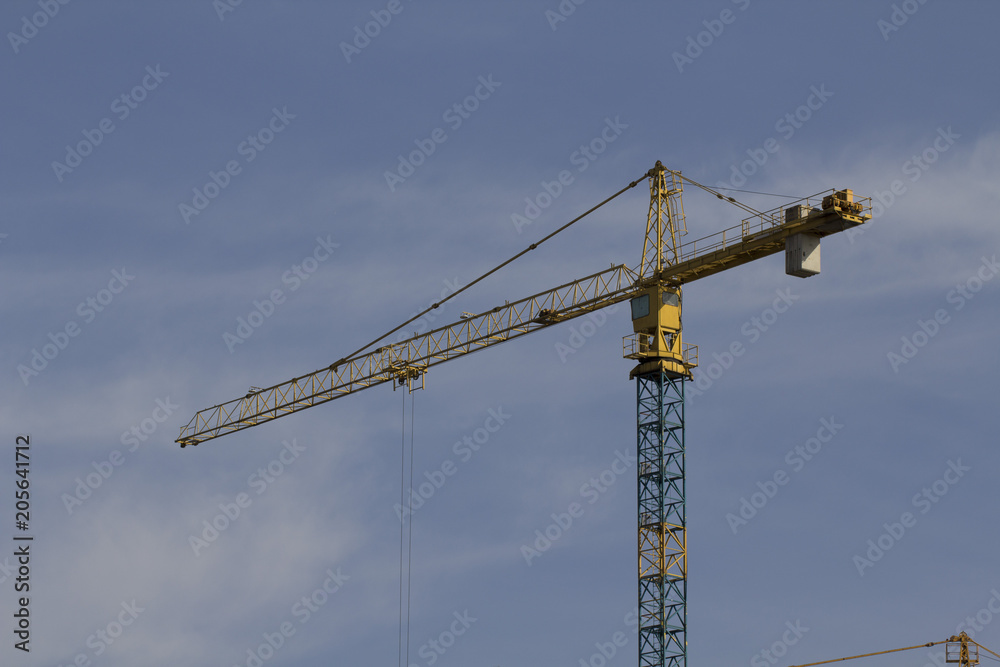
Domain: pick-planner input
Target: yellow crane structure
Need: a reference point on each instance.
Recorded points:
(664, 363)
(959, 649)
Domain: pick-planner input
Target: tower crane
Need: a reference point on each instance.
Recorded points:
(960, 649)
(664, 363)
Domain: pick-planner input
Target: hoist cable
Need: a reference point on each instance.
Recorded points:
(766, 194)
(402, 491)
(352, 356)
(406, 513)
(868, 655)
(409, 548)
(748, 209)
(984, 648)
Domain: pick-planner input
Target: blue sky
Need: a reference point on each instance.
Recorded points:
(124, 118)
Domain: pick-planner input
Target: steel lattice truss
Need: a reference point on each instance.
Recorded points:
(665, 223)
(755, 238)
(410, 358)
(662, 521)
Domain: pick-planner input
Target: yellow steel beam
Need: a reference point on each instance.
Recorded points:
(754, 238)
(758, 237)
(400, 361)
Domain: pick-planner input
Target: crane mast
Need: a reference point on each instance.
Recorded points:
(664, 364)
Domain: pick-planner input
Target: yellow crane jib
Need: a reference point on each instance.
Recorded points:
(655, 284)
(960, 649)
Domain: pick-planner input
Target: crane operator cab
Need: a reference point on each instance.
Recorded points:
(656, 323)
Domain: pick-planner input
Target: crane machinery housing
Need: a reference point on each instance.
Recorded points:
(663, 363)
